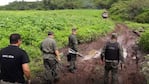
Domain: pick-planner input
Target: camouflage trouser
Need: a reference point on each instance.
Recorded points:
(113, 67)
(72, 62)
(51, 71)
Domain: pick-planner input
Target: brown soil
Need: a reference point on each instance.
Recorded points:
(90, 71)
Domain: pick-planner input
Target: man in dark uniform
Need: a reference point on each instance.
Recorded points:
(14, 63)
(72, 50)
(112, 55)
(50, 58)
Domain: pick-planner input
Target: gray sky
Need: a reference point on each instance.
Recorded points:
(4, 2)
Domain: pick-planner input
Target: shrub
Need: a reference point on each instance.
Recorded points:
(131, 10)
(143, 17)
(34, 25)
(145, 68)
(144, 40)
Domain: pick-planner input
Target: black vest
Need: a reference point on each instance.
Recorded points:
(112, 51)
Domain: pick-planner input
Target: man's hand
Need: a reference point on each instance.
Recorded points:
(57, 55)
(28, 81)
(79, 54)
(26, 71)
(59, 59)
(101, 62)
(122, 66)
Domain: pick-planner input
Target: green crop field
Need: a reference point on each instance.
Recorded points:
(34, 25)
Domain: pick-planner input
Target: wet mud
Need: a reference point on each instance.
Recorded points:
(90, 71)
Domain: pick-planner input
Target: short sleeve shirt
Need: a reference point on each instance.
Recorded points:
(49, 45)
(11, 60)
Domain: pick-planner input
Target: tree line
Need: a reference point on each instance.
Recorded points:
(59, 4)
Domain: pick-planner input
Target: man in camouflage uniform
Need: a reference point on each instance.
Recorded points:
(112, 55)
(72, 47)
(50, 58)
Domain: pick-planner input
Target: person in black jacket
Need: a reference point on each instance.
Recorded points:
(14, 63)
(112, 55)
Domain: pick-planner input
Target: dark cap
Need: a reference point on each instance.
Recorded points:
(114, 35)
(74, 29)
(50, 33)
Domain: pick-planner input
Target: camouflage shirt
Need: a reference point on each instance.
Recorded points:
(48, 47)
(73, 42)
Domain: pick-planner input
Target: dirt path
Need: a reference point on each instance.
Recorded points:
(131, 74)
(91, 72)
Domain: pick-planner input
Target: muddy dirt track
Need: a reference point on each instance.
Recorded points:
(90, 71)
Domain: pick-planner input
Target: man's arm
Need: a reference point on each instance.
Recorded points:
(121, 57)
(56, 51)
(75, 43)
(40, 46)
(26, 71)
(57, 55)
(103, 53)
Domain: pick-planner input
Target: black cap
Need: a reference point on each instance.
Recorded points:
(50, 33)
(114, 35)
(74, 29)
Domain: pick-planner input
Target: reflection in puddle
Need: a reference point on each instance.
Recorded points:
(96, 54)
(124, 53)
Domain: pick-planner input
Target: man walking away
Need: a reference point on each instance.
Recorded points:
(14, 63)
(50, 58)
(72, 50)
(112, 55)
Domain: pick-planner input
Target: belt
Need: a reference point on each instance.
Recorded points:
(48, 53)
(111, 60)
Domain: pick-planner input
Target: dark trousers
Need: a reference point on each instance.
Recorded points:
(51, 72)
(113, 68)
(72, 61)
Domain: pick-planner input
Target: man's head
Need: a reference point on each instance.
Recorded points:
(114, 36)
(74, 31)
(51, 34)
(15, 39)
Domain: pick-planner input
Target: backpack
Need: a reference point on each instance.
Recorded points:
(112, 51)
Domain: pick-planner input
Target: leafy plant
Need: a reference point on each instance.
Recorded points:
(34, 26)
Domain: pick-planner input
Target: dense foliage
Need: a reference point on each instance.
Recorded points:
(58, 4)
(143, 40)
(34, 25)
(22, 5)
(144, 45)
(131, 10)
(145, 67)
(143, 17)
